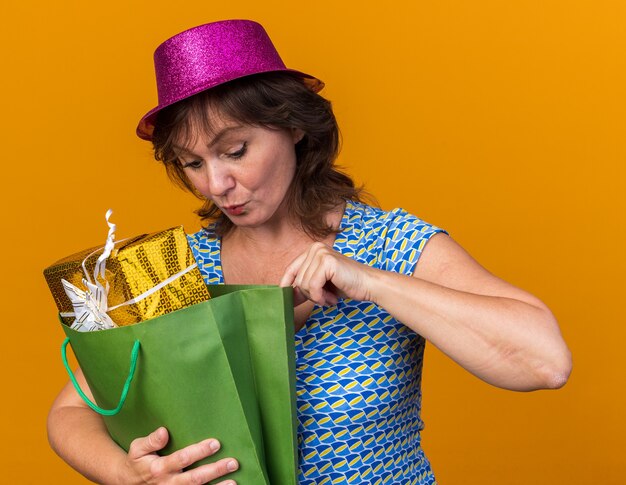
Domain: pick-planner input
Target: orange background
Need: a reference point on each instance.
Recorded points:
(501, 121)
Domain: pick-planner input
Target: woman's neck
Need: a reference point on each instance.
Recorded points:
(283, 233)
(264, 239)
(260, 255)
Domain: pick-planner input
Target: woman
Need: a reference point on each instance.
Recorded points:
(257, 143)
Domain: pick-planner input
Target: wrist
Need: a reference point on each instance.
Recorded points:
(124, 473)
(374, 284)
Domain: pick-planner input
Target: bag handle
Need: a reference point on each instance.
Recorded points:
(131, 372)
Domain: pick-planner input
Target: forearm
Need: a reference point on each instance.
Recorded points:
(505, 342)
(78, 436)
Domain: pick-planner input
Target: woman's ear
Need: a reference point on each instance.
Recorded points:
(297, 135)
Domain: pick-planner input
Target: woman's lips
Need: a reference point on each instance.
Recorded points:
(234, 210)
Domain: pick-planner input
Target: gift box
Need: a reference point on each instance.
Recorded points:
(142, 278)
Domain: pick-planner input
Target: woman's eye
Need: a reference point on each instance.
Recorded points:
(239, 153)
(194, 164)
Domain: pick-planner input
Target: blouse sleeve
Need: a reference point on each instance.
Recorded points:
(404, 241)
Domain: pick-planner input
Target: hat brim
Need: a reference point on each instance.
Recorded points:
(145, 127)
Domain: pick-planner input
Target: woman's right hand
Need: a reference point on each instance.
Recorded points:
(79, 436)
(144, 465)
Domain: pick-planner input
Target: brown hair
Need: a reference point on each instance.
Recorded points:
(272, 100)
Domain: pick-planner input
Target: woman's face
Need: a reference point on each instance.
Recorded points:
(245, 170)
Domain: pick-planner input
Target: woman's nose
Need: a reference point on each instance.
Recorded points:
(220, 179)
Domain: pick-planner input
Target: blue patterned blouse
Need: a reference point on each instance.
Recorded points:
(358, 370)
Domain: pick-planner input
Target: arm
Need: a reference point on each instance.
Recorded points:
(78, 435)
(498, 332)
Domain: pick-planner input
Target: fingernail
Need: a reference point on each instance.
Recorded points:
(232, 465)
(214, 445)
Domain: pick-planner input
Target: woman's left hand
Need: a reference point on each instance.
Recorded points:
(322, 275)
(498, 332)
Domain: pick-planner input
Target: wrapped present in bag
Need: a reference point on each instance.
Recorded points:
(221, 368)
(126, 282)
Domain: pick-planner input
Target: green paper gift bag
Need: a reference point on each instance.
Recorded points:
(223, 368)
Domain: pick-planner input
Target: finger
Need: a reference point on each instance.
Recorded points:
(305, 267)
(212, 471)
(292, 271)
(155, 441)
(186, 456)
(315, 278)
(330, 294)
(298, 297)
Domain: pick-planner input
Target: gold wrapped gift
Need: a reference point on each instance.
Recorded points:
(147, 276)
